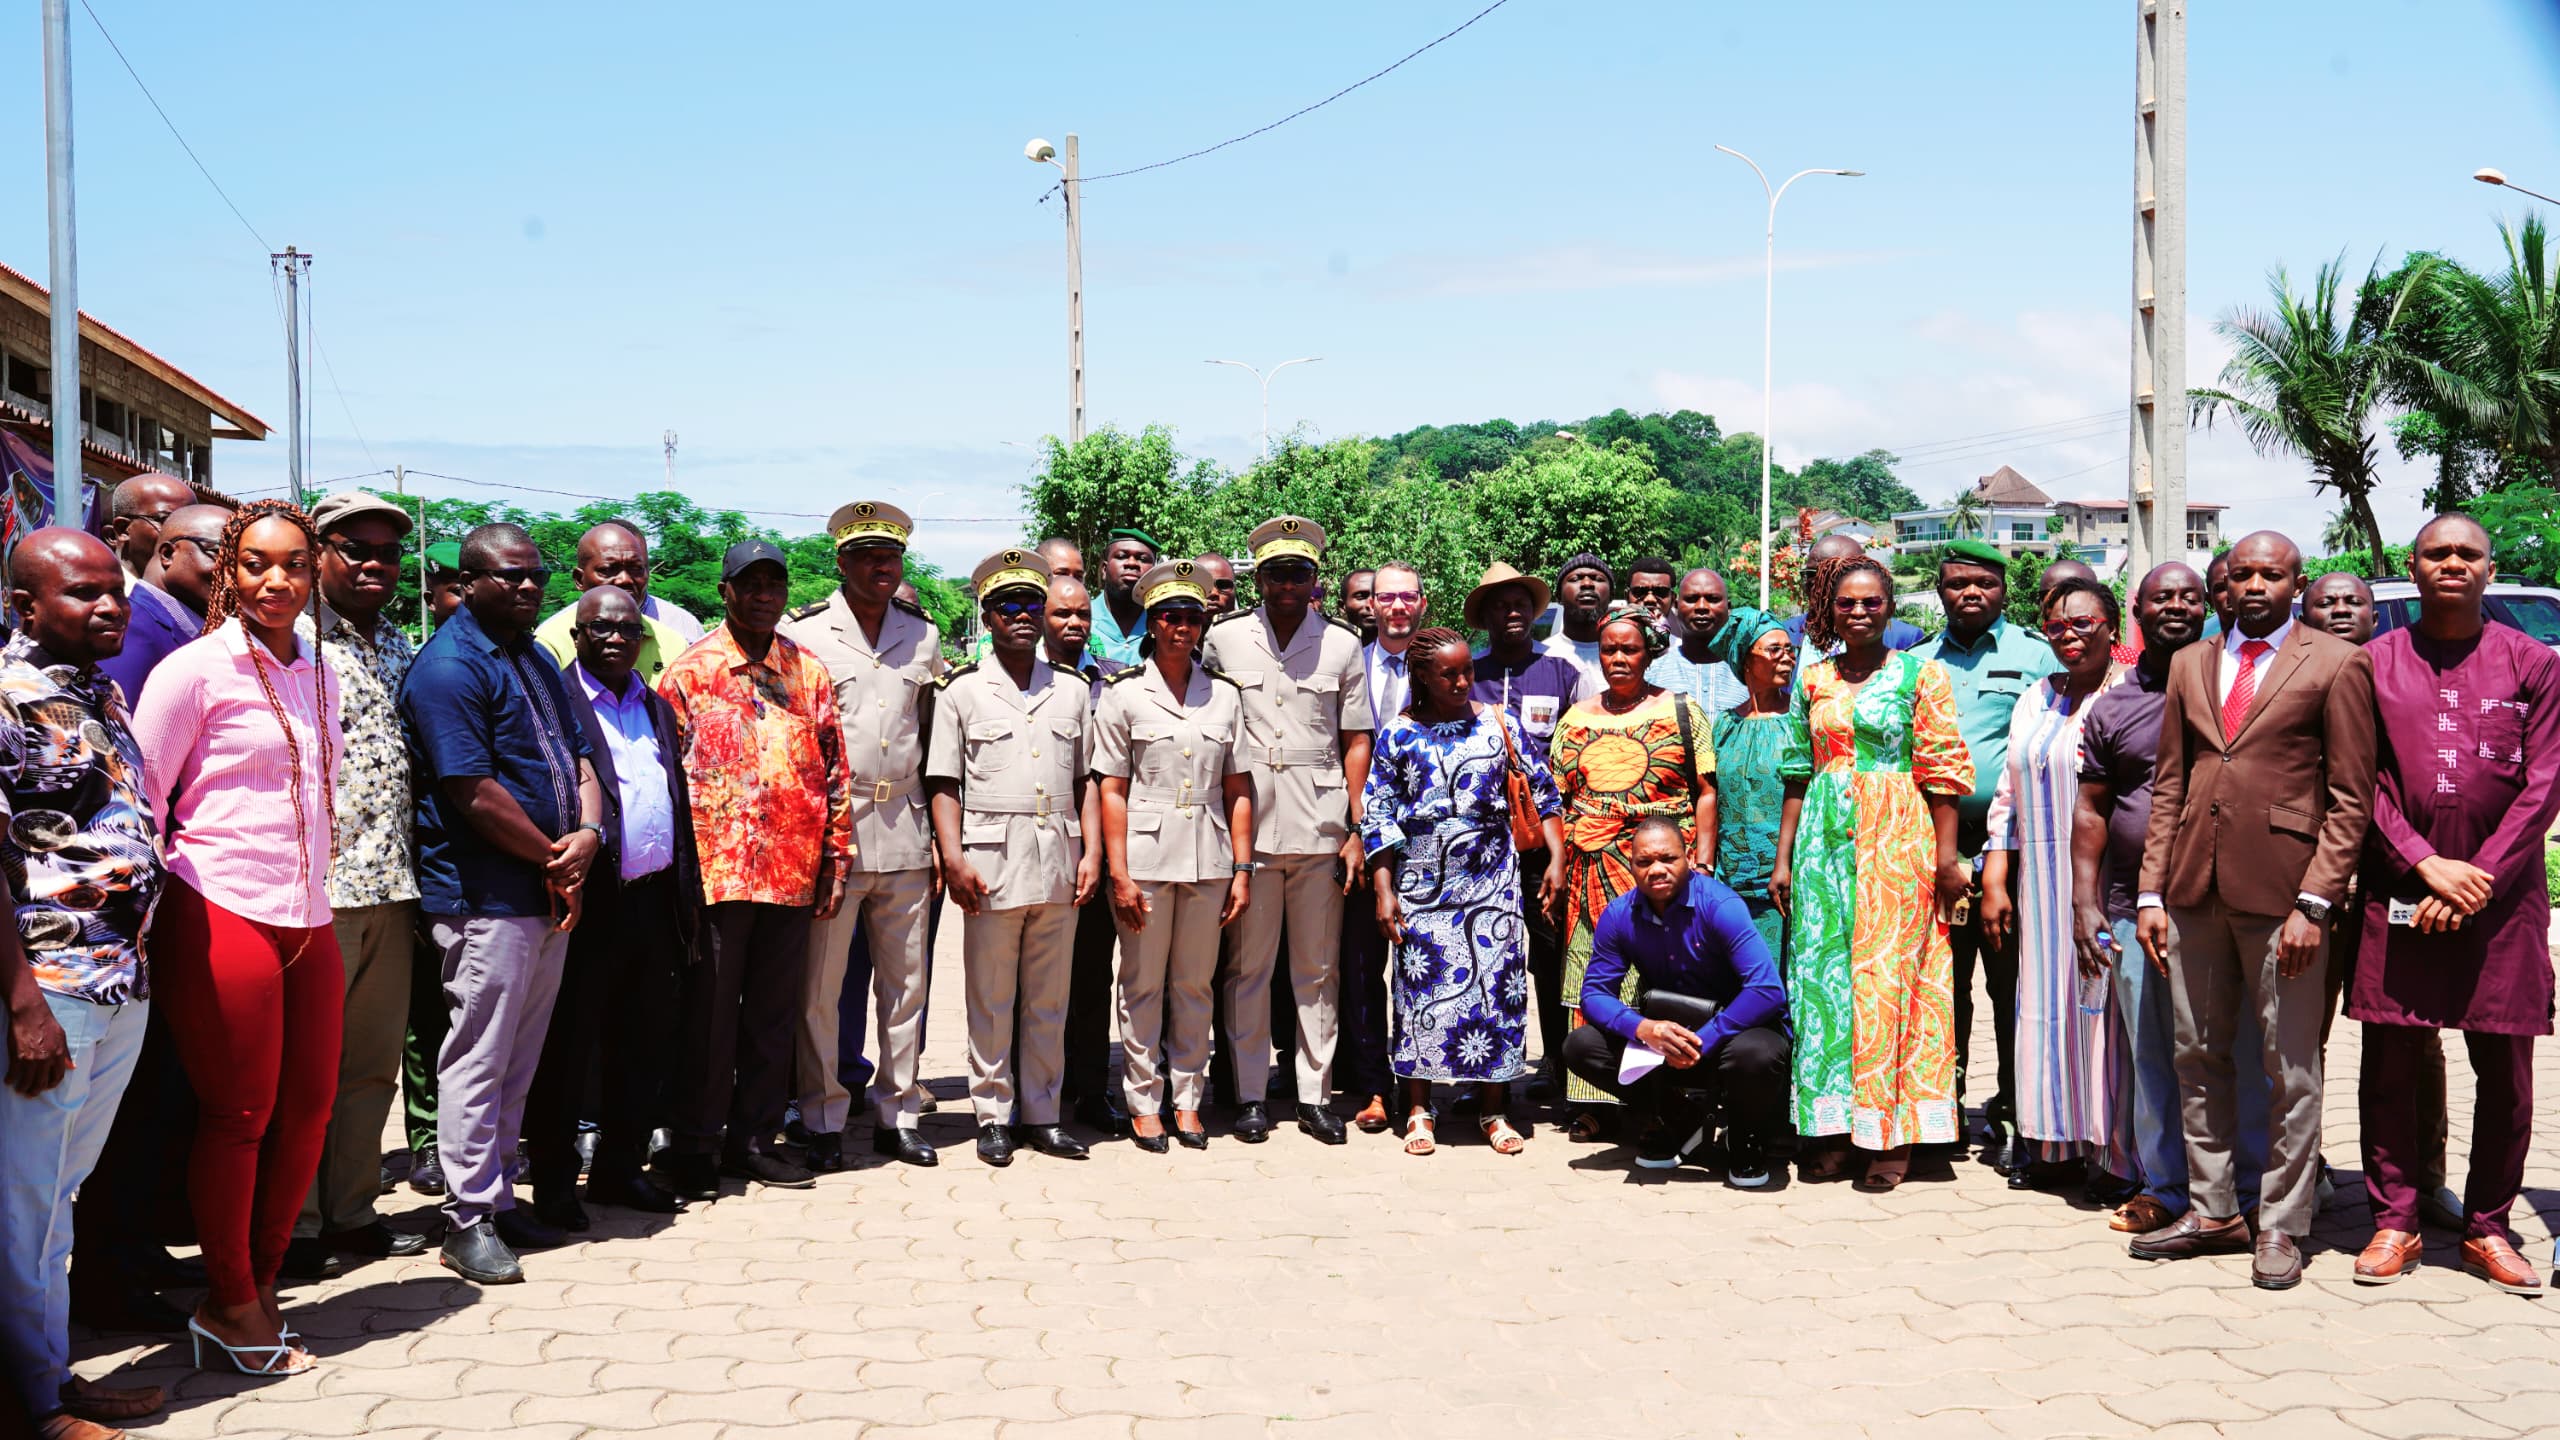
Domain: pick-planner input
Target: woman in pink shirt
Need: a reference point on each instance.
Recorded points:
(239, 736)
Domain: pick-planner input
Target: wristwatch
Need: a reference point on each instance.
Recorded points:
(592, 825)
(1246, 867)
(2315, 911)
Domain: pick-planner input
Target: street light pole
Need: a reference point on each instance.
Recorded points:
(1768, 326)
(2487, 176)
(1041, 152)
(1266, 389)
(63, 259)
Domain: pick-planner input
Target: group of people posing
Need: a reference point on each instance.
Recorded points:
(613, 872)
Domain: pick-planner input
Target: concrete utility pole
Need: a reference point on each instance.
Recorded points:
(296, 264)
(400, 487)
(63, 258)
(1041, 152)
(2156, 485)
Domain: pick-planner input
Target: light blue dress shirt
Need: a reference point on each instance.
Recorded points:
(639, 772)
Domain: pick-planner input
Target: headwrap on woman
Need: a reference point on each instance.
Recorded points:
(1657, 642)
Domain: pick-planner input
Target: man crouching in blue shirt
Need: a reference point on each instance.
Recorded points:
(1690, 940)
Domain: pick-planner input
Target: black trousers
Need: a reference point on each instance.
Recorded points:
(1546, 962)
(1746, 1075)
(1999, 966)
(1361, 1055)
(135, 1200)
(1090, 1003)
(739, 1026)
(615, 1022)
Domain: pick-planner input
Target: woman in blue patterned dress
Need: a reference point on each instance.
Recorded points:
(1447, 880)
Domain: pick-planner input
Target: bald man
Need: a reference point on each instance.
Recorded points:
(615, 554)
(71, 963)
(136, 512)
(1221, 575)
(1065, 560)
(168, 611)
(2341, 604)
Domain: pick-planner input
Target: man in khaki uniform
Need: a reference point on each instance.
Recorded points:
(1006, 771)
(1307, 725)
(883, 654)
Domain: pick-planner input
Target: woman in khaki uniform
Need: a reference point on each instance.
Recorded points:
(1177, 828)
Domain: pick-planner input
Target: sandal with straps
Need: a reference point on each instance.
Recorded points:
(1498, 1133)
(282, 1358)
(1417, 1134)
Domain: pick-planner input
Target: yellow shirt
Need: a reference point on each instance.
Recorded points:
(660, 643)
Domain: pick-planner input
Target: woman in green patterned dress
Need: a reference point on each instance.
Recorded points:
(1868, 873)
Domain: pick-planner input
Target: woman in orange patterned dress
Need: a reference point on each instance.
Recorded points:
(1868, 874)
(1631, 751)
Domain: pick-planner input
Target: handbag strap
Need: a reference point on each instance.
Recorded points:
(1688, 741)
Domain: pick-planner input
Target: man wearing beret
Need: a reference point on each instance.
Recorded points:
(883, 655)
(1307, 727)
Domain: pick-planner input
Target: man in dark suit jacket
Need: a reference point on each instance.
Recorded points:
(2260, 800)
(617, 1004)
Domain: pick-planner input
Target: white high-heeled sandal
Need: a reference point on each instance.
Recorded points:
(279, 1357)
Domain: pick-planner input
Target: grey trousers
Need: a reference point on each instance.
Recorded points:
(501, 973)
(892, 906)
(1018, 959)
(1301, 888)
(2226, 965)
(376, 942)
(1176, 955)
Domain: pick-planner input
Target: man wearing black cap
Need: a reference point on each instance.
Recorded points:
(883, 654)
(1119, 622)
(773, 831)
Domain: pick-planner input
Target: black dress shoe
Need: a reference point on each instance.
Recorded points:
(308, 1257)
(475, 1253)
(426, 1172)
(1097, 1112)
(823, 1150)
(638, 1192)
(687, 1177)
(385, 1181)
(376, 1240)
(1155, 1144)
(1321, 1122)
(904, 1146)
(1188, 1139)
(770, 1170)
(521, 1229)
(1253, 1124)
(126, 1308)
(995, 1145)
(1053, 1140)
(564, 1211)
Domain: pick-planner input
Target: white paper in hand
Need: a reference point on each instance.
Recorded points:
(1638, 1062)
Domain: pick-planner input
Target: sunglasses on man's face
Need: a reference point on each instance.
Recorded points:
(515, 575)
(1648, 592)
(1289, 574)
(1016, 609)
(358, 552)
(612, 629)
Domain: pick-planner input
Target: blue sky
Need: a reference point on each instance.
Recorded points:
(805, 236)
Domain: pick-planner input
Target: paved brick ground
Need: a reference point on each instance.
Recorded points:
(1297, 1291)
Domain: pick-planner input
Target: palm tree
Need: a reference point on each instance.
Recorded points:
(2340, 535)
(2495, 356)
(2308, 378)
(1968, 512)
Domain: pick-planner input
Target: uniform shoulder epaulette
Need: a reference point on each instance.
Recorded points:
(1217, 674)
(955, 672)
(1338, 623)
(912, 609)
(1237, 614)
(1129, 672)
(814, 607)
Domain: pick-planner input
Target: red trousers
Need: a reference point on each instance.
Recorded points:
(257, 1011)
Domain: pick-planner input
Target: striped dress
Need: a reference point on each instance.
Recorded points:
(2071, 1059)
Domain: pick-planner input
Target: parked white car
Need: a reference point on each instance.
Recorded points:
(2533, 609)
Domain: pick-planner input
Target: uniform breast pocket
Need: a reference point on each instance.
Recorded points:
(991, 750)
(1146, 757)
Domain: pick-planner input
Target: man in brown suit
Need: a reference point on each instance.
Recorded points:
(2260, 800)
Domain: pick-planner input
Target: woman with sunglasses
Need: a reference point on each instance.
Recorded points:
(2071, 1055)
(1177, 834)
(1868, 873)
(241, 728)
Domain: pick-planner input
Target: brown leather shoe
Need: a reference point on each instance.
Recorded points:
(2492, 1259)
(2278, 1263)
(2190, 1235)
(2139, 1216)
(2390, 1255)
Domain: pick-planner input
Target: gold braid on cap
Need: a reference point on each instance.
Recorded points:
(867, 520)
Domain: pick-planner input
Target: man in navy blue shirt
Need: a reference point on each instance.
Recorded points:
(1685, 933)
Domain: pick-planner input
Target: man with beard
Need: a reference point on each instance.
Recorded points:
(1689, 669)
(1583, 588)
(1120, 622)
(1650, 583)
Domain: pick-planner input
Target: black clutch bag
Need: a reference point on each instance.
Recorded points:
(1687, 1011)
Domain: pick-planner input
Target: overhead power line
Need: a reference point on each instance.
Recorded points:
(1294, 114)
(110, 38)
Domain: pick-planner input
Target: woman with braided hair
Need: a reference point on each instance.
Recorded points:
(1633, 750)
(1446, 878)
(1868, 873)
(239, 731)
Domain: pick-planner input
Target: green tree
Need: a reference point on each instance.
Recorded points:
(2491, 354)
(1110, 479)
(1539, 513)
(2523, 522)
(2307, 379)
(1862, 485)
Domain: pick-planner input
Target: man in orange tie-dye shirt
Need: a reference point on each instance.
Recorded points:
(773, 820)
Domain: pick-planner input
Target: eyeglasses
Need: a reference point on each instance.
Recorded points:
(357, 552)
(612, 629)
(1396, 597)
(210, 549)
(1016, 609)
(2063, 625)
(1852, 604)
(1649, 592)
(514, 575)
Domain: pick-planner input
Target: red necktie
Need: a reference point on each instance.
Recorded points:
(2244, 689)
